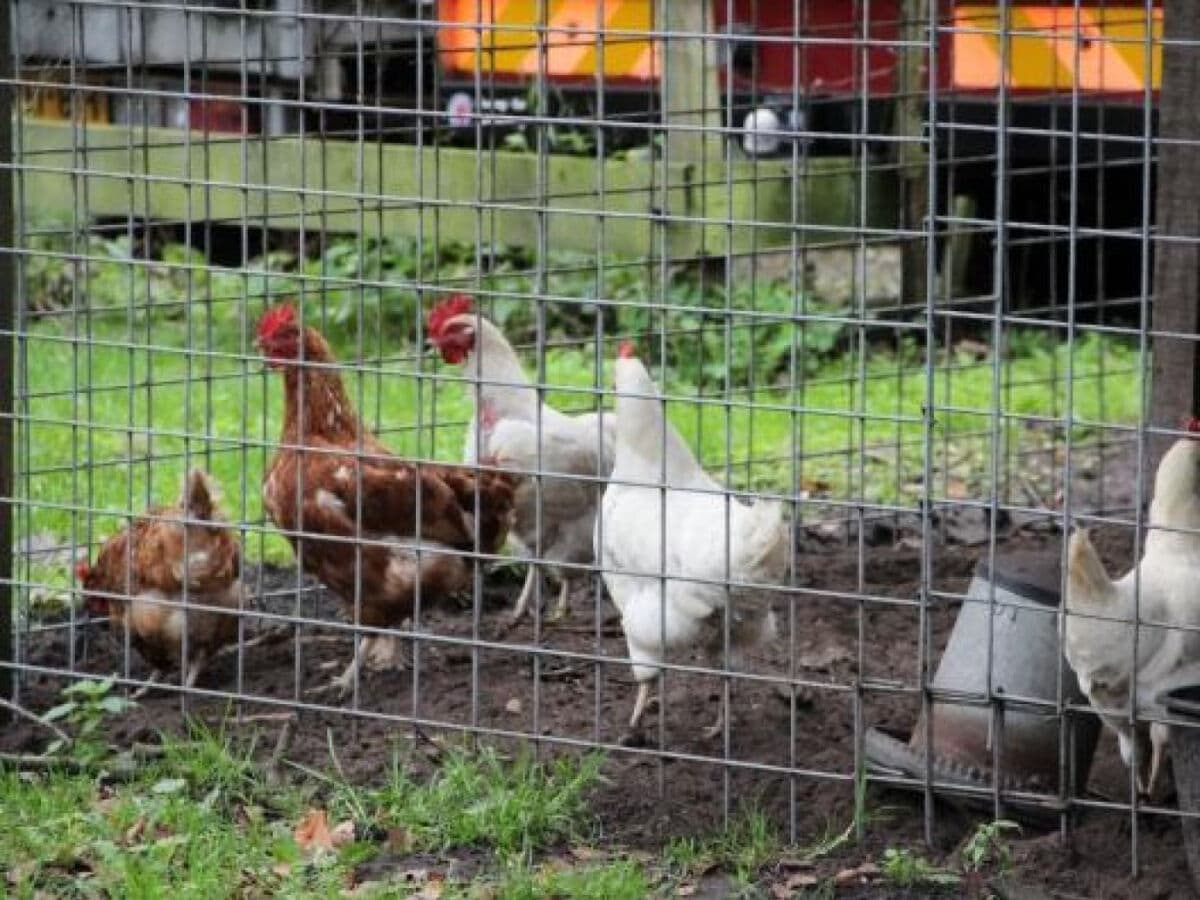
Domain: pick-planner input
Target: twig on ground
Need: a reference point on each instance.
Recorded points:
(282, 745)
(18, 710)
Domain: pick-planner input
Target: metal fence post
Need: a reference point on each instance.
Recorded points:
(7, 299)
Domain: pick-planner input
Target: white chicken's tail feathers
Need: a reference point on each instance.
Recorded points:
(762, 545)
(1086, 575)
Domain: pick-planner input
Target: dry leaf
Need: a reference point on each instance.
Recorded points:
(586, 854)
(868, 870)
(343, 833)
(399, 840)
(513, 706)
(956, 489)
(362, 888)
(134, 832)
(846, 876)
(283, 870)
(685, 889)
(825, 656)
(312, 834)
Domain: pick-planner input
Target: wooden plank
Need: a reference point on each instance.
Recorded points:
(439, 191)
(1176, 264)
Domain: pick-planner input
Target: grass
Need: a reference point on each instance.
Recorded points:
(200, 820)
(128, 447)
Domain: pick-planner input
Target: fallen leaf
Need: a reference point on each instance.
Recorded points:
(685, 889)
(846, 876)
(312, 834)
(513, 706)
(868, 870)
(283, 870)
(825, 656)
(343, 833)
(586, 854)
(399, 840)
(956, 489)
(169, 786)
(362, 888)
(135, 831)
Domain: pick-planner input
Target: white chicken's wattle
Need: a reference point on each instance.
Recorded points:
(514, 430)
(1160, 594)
(718, 553)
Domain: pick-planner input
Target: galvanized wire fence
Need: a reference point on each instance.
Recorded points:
(889, 263)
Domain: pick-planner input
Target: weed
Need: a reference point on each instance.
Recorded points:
(987, 846)
(904, 868)
(87, 705)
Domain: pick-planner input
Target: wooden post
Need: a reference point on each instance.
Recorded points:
(1174, 392)
(690, 94)
(911, 158)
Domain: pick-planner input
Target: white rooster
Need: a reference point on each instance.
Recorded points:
(702, 526)
(507, 424)
(1100, 612)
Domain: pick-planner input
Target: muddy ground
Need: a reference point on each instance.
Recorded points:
(498, 689)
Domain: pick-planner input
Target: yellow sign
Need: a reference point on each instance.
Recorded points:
(509, 41)
(1104, 50)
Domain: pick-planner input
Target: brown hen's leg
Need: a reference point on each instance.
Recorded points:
(527, 589)
(148, 686)
(562, 608)
(199, 661)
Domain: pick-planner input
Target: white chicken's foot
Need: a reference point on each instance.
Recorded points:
(527, 589)
(562, 607)
(148, 686)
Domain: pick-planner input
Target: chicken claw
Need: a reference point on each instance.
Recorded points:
(640, 704)
(527, 590)
(562, 608)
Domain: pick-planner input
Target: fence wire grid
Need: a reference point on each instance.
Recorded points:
(887, 264)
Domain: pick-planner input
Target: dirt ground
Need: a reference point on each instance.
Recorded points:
(646, 799)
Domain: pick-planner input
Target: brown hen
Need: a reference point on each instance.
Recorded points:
(138, 581)
(350, 508)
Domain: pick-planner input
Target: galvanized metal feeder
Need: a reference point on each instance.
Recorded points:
(1019, 727)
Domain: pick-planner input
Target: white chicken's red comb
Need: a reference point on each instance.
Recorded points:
(275, 318)
(454, 305)
(626, 350)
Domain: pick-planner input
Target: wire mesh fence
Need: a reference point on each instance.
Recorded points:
(883, 266)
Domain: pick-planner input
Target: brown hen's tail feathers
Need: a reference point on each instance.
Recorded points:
(200, 496)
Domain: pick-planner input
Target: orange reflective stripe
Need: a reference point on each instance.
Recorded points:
(1108, 54)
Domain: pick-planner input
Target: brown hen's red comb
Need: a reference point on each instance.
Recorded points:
(82, 570)
(626, 350)
(1192, 424)
(275, 318)
(454, 305)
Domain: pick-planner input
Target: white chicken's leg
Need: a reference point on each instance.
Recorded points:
(562, 608)
(640, 704)
(531, 575)
(1159, 735)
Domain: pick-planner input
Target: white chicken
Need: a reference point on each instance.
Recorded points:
(710, 540)
(1101, 612)
(507, 426)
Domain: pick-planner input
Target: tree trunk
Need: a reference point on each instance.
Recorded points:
(1176, 265)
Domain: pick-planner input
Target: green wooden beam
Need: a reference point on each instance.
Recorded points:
(448, 193)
